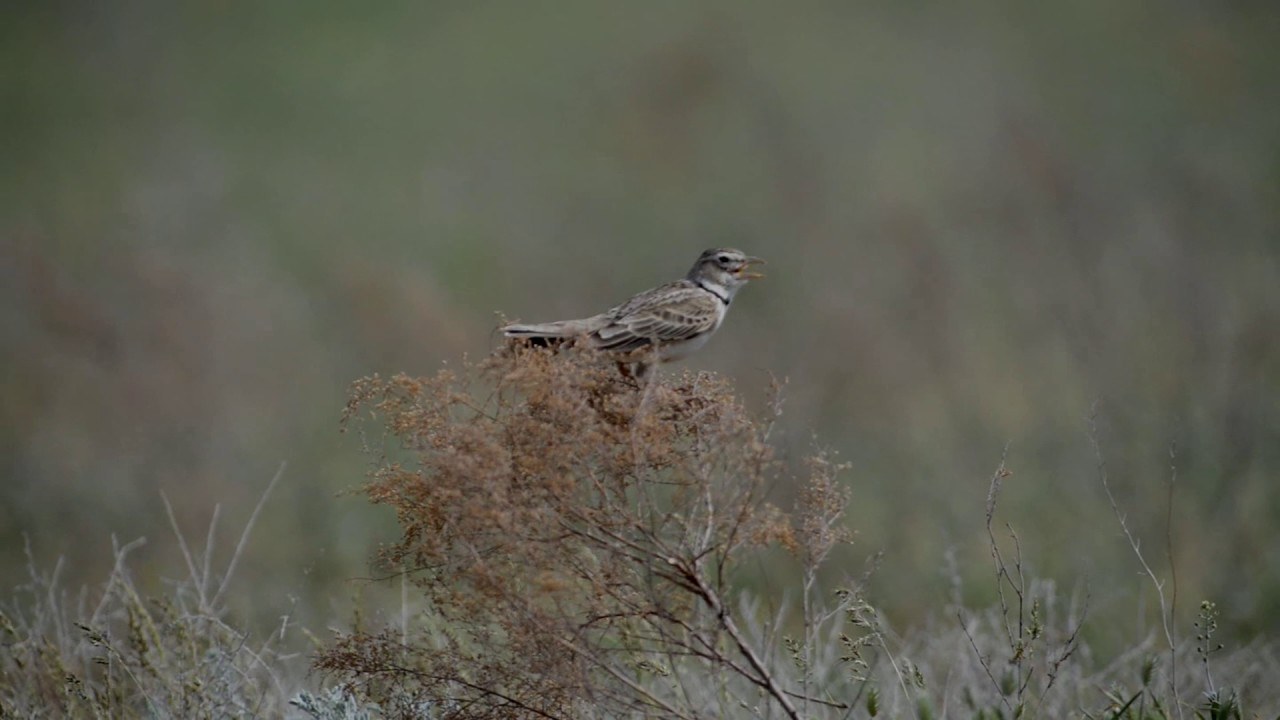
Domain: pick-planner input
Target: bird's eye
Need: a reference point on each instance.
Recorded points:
(723, 259)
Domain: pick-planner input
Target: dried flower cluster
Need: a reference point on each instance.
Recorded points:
(573, 534)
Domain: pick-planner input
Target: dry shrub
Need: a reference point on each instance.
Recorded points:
(574, 535)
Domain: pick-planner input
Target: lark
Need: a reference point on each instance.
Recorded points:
(660, 325)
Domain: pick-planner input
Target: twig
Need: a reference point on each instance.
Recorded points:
(244, 535)
(986, 666)
(1134, 543)
(1002, 571)
(203, 580)
(186, 552)
(764, 678)
(1172, 632)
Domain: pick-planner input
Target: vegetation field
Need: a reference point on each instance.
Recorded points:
(1017, 354)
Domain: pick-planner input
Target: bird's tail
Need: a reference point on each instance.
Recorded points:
(552, 333)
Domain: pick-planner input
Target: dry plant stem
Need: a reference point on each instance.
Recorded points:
(113, 660)
(983, 661)
(635, 687)
(208, 548)
(186, 552)
(1171, 629)
(244, 534)
(810, 628)
(198, 578)
(508, 701)
(689, 573)
(1002, 576)
(117, 574)
(902, 682)
(404, 607)
(820, 513)
(131, 594)
(1134, 543)
(763, 678)
(1002, 572)
(1022, 643)
(1068, 649)
(200, 575)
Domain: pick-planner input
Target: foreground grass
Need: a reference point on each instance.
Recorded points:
(603, 585)
(124, 655)
(121, 653)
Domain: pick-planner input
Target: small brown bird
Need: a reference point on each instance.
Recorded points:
(666, 323)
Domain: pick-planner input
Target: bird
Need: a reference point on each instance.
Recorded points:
(659, 325)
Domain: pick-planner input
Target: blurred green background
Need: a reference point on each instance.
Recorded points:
(980, 219)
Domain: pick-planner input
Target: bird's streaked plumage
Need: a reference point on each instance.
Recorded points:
(662, 324)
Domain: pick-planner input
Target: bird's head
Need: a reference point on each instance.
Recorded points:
(726, 267)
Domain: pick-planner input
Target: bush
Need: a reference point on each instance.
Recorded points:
(577, 537)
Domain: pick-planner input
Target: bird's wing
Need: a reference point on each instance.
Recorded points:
(669, 313)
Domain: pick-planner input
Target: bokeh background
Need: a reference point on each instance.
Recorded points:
(983, 221)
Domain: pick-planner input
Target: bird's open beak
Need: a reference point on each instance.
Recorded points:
(745, 272)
